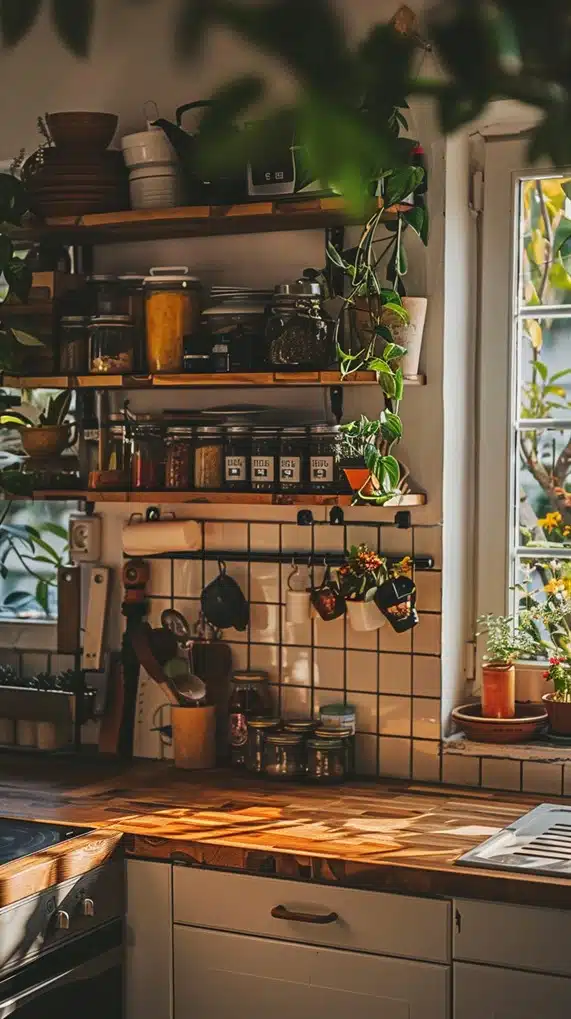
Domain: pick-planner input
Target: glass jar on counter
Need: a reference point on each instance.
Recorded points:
(111, 345)
(264, 460)
(73, 344)
(294, 460)
(147, 457)
(302, 726)
(284, 756)
(249, 698)
(258, 730)
(237, 450)
(325, 474)
(208, 458)
(326, 760)
(347, 737)
(299, 335)
(179, 466)
(173, 303)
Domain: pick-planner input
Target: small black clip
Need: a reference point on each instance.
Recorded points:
(336, 517)
(403, 520)
(304, 518)
(153, 513)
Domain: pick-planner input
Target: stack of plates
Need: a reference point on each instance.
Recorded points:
(241, 295)
(66, 182)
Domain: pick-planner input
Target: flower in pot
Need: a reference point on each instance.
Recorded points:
(358, 581)
(52, 435)
(505, 644)
(558, 703)
(545, 612)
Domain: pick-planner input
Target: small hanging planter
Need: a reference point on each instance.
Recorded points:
(396, 599)
(364, 616)
(327, 601)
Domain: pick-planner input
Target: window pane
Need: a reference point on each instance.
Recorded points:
(544, 487)
(545, 368)
(30, 559)
(545, 242)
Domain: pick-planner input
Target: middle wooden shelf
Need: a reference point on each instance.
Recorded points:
(226, 380)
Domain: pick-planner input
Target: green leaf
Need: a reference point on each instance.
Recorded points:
(562, 236)
(393, 351)
(391, 466)
(58, 408)
(17, 599)
(19, 278)
(6, 250)
(13, 199)
(397, 309)
(391, 426)
(399, 384)
(73, 20)
(42, 594)
(559, 277)
(384, 332)
(57, 529)
(26, 339)
(401, 183)
(541, 369)
(13, 418)
(54, 558)
(17, 17)
(417, 218)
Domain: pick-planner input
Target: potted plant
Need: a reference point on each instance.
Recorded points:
(546, 614)
(358, 581)
(505, 644)
(373, 472)
(52, 434)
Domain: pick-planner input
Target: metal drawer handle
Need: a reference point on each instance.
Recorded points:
(283, 913)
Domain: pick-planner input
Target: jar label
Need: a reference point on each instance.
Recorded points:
(290, 469)
(321, 468)
(235, 468)
(238, 729)
(91, 434)
(262, 468)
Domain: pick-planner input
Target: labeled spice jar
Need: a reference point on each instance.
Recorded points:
(208, 458)
(249, 698)
(294, 460)
(338, 716)
(325, 474)
(179, 467)
(147, 457)
(237, 450)
(326, 760)
(284, 756)
(73, 344)
(111, 340)
(173, 301)
(347, 737)
(258, 730)
(264, 460)
(299, 335)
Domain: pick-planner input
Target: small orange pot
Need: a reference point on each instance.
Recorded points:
(559, 714)
(48, 440)
(360, 480)
(498, 691)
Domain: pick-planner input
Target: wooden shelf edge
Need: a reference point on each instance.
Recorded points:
(211, 498)
(228, 381)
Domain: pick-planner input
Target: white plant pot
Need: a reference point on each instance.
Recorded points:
(530, 684)
(364, 615)
(409, 334)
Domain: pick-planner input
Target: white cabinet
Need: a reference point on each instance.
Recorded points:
(517, 937)
(488, 992)
(148, 954)
(220, 975)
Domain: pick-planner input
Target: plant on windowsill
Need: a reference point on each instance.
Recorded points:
(546, 616)
(505, 644)
(52, 435)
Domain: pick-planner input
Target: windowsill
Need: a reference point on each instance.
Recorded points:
(538, 750)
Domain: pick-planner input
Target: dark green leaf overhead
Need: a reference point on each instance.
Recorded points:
(17, 17)
(73, 20)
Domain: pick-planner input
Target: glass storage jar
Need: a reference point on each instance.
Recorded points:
(294, 460)
(73, 344)
(111, 339)
(134, 298)
(299, 335)
(241, 325)
(284, 756)
(264, 460)
(347, 737)
(258, 730)
(237, 458)
(173, 302)
(147, 457)
(249, 698)
(117, 447)
(326, 760)
(208, 458)
(325, 474)
(303, 726)
(179, 466)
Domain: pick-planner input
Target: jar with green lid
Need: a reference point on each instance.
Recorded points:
(237, 450)
(294, 460)
(347, 737)
(111, 345)
(264, 460)
(326, 760)
(179, 466)
(325, 474)
(258, 730)
(284, 756)
(338, 716)
(208, 458)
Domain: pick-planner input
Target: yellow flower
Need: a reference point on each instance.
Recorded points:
(555, 587)
(551, 521)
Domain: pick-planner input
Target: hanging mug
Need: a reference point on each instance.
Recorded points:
(326, 599)
(298, 606)
(396, 599)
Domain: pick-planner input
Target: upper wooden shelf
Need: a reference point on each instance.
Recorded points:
(201, 221)
(222, 380)
(165, 497)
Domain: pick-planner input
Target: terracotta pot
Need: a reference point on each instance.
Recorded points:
(530, 684)
(364, 616)
(359, 478)
(49, 440)
(498, 691)
(559, 714)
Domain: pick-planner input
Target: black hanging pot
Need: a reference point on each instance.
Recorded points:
(326, 599)
(223, 603)
(396, 599)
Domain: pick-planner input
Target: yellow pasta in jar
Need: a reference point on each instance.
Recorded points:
(172, 310)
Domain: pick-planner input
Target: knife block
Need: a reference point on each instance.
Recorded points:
(194, 737)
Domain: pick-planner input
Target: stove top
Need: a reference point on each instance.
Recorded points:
(22, 838)
(537, 843)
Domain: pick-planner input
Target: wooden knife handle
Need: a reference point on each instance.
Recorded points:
(69, 610)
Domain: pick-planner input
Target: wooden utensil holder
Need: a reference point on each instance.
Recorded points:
(194, 737)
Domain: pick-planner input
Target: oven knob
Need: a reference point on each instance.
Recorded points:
(62, 920)
(88, 907)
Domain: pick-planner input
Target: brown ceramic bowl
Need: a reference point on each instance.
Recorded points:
(529, 720)
(80, 130)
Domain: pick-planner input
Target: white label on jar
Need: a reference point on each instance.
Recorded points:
(262, 468)
(235, 468)
(321, 468)
(91, 434)
(290, 469)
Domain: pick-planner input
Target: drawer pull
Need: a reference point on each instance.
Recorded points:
(283, 913)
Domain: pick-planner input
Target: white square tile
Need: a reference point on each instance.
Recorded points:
(267, 658)
(160, 582)
(362, 671)
(365, 705)
(264, 582)
(425, 760)
(500, 774)
(429, 591)
(265, 537)
(187, 578)
(328, 668)
(396, 543)
(295, 633)
(296, 539)
(156, 608)
(394, 757)
(366, 755)
(426, 676)
(426, 718)
(457, 770)
(358, 535)
(329, 539)
(394, 715)
(322, 698)
(391, 641)
(427, 635)
(296, 702)
(395, 674)
(218, 534)
(366, 641)
(329, 634)
(239, 656)
(296, 666)
(542, 777)
(265, 624)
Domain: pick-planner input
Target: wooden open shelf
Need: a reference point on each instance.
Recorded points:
(201, 220)
(226, 381)
(213, 498)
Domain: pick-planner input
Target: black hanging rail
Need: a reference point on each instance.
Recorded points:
(310, 559)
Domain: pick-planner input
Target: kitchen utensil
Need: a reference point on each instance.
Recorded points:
(527, 724)
(140, 638)
(177, 624)
(69, 610)
(110, 723)
(396, 599)
(160, 536)
(326, 599)
(223, 603)
(194, 737)
(189, 687)
(212, 661)
(85, 130)
(92, 658)
(164, 645)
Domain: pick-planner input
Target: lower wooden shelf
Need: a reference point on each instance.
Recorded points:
(228, 380)
(213, 498)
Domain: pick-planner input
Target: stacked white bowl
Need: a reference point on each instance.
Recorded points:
(154, 175)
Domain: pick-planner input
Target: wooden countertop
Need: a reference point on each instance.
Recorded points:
(387, 836)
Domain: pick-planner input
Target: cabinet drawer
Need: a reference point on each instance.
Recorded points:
(365, 921)
(488, 992)
(523, 937)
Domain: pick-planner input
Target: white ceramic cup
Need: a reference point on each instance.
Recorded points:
(298, 607)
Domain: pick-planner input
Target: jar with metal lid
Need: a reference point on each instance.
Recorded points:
(284, 756)
(258, 730)
(325, 474)
(303, 726)
(147, 457)
(299, 335)
(249, 698)
(134, 297)
(338, 716)
(118, 456)
(105, 294)
(73, 344)
(347, 737)
(208, 458)
(237, 458)
(173, 303)
(326, 760)
(179, 466)
(111, 345)
(264, 460)
(294, 460)
(240, 325)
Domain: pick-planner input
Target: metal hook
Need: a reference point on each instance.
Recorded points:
(294, 572)
(221, 567)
